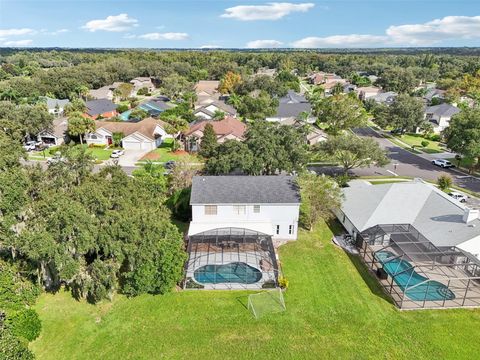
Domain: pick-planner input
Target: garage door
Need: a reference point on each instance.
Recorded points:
(132, 145)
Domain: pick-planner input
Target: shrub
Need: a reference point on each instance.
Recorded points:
(283, 282)
(444, 182)
(143, 91)
(424, 143)
(435, 137)
(122, 108)
(25, 323)
(12, 347)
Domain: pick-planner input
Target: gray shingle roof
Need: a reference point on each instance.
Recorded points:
(244, 190)
(52, 103)
(437, 216)
(445, 110)
(100, 106)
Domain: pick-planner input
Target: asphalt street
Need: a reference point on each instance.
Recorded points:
(405, 163)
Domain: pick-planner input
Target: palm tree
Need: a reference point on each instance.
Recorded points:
(234, 100)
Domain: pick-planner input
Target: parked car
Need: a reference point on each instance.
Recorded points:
(55, 160)
(116, 154)
(458, 196)
(443, 163)
(31, 145)
(170, 164)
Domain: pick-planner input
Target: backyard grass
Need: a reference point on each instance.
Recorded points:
(335, 310)
(164, 153)
(433, 147)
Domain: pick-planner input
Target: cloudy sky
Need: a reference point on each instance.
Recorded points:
(239, 24)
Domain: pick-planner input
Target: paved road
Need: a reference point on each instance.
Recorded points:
(404, 163)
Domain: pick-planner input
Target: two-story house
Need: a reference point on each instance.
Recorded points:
(235, 222)
(266, 204)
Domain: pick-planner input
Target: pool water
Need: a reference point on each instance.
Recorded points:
(124, 116)
(235, 272)
(430, 290)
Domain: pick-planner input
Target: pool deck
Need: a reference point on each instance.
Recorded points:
(225, 257)
(467, 292)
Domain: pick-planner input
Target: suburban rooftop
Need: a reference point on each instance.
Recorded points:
(244, 190)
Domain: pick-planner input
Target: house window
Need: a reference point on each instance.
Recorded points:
(93, 136)
(256, 209)
(277, 230)
(239, 209)
(290, 230)
(210, 209)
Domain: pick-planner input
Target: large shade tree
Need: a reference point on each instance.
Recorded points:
(79, 125)
(351, 151)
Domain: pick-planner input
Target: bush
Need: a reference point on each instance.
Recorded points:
(424, 143)
(122, 108)
(12, 347)
(435, 137)
(143, 91)
(25, 324)
(444, 182)
(282, 282)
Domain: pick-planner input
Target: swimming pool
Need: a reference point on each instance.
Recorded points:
(429, 290)
(235, 272)
(124, 116)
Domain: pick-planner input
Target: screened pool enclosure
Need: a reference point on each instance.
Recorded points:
(231, 258)
(415, 272)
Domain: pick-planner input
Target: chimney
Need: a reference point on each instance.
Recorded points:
(470, 214)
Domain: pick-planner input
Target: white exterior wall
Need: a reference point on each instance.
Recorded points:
(472, 246)
(269, 217)
(99, 137)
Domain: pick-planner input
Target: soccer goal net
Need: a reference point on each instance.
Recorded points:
(266, 302)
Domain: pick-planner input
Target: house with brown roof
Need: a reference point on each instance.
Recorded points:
(147, 134)
(142, 82)
(208, 88)
(56, 134)
(226, 129)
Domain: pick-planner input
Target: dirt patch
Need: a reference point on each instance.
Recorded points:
(180, 153)
(151, 156)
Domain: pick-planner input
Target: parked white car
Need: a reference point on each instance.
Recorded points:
(116, 154)
(458, 196)
(31, 145)
(442, 163)
(56, 159)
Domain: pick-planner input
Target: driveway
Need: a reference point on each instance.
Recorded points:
(130, 157)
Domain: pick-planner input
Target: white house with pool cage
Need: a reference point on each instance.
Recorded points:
(236, 223)
(422, 244)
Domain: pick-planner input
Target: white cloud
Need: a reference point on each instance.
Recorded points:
(270, 11)
(18, 43)
(431, 32)
(16, 32)
(165, 36)
(115, 23)
(354, 40)
(210, 47)
(56, 32)
(262, 44)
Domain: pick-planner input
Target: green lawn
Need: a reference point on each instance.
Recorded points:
(416, 140)
(97, 153)
(164, 153)
(335, 309)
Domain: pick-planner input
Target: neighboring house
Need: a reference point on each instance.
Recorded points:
(147, 134)
(105, 92)
(321, 77)
(367, 92)
(290, 107)
(142, 82)
(440, 115)
(439, 218)
(207, 111)
(266, 204)
(56, 106)
(386, 98)
(57, 135)
(266, 72)
(314, 135)
(226, 129)
(155, 106)
(207, 88)
(101, 107)
(434, 93)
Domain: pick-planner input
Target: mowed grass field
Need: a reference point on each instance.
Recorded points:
(335, 310)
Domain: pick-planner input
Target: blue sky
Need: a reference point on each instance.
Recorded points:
(239, 24)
